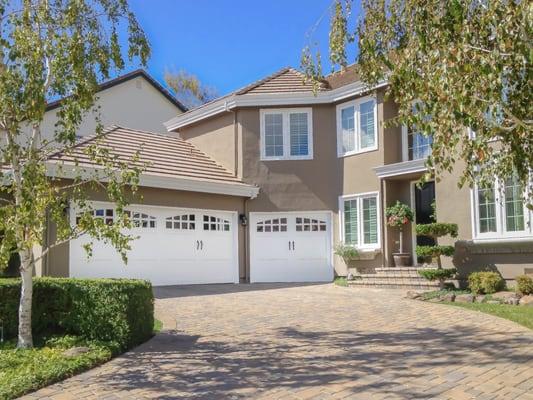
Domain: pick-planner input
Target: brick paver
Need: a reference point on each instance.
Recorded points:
(313, 342)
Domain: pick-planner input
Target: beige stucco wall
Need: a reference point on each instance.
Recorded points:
(454, 205)
(133, 104)
(215, 137)
(57, 262)
(312, 185)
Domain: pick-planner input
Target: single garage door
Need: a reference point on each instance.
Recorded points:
(174, 246)
(292, 247)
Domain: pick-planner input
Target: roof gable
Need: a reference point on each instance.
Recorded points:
(125, 78)
(286, 80)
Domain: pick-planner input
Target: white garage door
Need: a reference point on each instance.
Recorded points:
(174, 246)
(293, 247)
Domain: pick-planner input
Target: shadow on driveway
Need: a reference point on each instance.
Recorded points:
(397, 364)
(167, 292)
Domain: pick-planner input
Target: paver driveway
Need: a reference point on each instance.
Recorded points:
(313, 342)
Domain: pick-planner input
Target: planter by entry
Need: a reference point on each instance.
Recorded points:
(402, 259)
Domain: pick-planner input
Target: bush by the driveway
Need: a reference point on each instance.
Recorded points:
(110, 310)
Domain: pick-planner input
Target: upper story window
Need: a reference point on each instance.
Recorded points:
(357, 129)
(415, 145)
(286, 134)
(359, 216)
(500, 211)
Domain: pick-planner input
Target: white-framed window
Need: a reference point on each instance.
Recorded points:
(359, 220)
(286, 134)
(182, 222)
(357, 126)
(272, 225)
(415, 145)
(142, 220)
(212, 223)
(500, 212)
(105, 214)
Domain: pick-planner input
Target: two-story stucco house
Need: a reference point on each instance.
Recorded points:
(261, 185)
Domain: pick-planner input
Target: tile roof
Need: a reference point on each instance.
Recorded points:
(342, 77)
(286, 80)
(164, 155)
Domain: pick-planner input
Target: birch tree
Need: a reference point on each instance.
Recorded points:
(465, 64)
(52, 49)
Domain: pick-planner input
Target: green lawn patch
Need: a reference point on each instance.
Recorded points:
(158, 325)
(341, 281)
(23, 371)
(522, 315)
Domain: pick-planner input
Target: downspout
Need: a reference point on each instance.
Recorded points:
(385, 241)
(245, 243)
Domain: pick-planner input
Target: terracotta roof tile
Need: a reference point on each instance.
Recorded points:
(163, 155)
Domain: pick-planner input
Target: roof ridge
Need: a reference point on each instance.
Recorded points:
(259, 82)
(124, 78)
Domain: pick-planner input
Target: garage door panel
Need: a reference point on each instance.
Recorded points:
(172, 248)
(290, 247)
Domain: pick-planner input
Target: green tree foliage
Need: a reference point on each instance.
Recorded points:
(53, 49)
(188, 89)
(459, 70)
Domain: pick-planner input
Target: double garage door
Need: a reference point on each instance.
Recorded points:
(173, 246)
(291, 247)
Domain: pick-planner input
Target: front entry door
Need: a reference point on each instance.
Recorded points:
(424, 198)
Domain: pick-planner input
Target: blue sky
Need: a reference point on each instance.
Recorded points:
(230, 43)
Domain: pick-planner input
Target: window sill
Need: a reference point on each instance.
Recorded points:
(354, 153)
(286, 158)
(503, 240)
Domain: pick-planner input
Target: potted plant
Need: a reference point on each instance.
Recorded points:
(398, 216)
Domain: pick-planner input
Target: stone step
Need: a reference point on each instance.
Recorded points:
(389, 284)
(389, 276)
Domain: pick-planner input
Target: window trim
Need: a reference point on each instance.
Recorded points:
(286, 133)
(356, 104)
(360, 233)
(405, 146)
(500, 234)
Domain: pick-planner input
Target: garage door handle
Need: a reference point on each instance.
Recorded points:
(197, 244)
(201, 244)
(293, 244)
(289, 244)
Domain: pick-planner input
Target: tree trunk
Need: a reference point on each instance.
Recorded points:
(25, 339)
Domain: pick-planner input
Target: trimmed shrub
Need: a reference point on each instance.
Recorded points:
(346, 252)
(437, 229)
(435, 274)
(111, 310)
(434, 251)
(524, 284)
(485, 282)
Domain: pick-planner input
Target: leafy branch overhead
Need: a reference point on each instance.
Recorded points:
(51, 49)
(188, 88)
(459, 70)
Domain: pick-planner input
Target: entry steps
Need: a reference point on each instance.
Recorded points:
(394, 278)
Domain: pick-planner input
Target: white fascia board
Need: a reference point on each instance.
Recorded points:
(401, 168)
(209, 110)
(159, 182)
(278, 99)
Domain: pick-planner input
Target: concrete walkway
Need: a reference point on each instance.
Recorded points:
(313, 342)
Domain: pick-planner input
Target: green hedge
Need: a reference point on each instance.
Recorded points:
(485, 282)
(113, 310)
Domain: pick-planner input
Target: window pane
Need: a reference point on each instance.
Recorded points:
(367, 124)
(370, 220)
(273, 135)
(514, 206)
(299, 134)
(487, 210)
(348, 129)
(419, 146)
(350, 222)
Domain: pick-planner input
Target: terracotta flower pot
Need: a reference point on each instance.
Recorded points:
(402, 259)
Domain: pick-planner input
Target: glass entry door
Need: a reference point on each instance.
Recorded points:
(424, 196)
